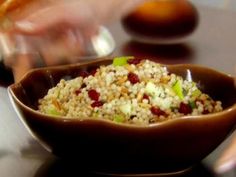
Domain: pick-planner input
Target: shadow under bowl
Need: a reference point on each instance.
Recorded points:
(169, 146)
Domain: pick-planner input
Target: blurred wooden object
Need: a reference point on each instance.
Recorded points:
(227, 160)
(161, 22)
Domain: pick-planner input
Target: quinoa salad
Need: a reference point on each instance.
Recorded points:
(129, 90)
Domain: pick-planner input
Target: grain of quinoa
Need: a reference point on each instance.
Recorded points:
(129, 91)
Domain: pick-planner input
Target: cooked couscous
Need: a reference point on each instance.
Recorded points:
(130, 91)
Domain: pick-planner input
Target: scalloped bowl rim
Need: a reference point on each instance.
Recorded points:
(82, 120)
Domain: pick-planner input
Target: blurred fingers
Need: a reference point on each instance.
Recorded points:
(57, 17)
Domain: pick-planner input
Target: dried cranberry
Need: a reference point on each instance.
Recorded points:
(205, 111)
(78, 91)
(83, 74)
(134, 61)
(145, 96)
(92, 70)
(96, 104)
(133, 78)
(93, 95)
(157, 111)
(185, 108)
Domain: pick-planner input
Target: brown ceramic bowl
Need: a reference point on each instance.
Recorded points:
(162, 22)
(173, 145)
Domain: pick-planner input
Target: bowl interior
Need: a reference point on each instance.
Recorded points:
(218, 85)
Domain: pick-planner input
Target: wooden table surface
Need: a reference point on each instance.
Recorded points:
(213, 44)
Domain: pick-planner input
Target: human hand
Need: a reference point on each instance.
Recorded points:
(73, 20)
(60, 14)
(56, 30)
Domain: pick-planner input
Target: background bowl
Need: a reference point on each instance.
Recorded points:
(162, 22)
(170, 146)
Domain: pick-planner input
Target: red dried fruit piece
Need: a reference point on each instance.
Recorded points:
(157, 111)
(185, 108)
(145, 96)
(78, 91)
(83, 74)
(134, 61)
(96, 104)
(205, 111)
(133, 78)
(92, 70)
(93, 95)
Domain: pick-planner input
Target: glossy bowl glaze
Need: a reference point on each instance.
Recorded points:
(173, 145)
(162, 22)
